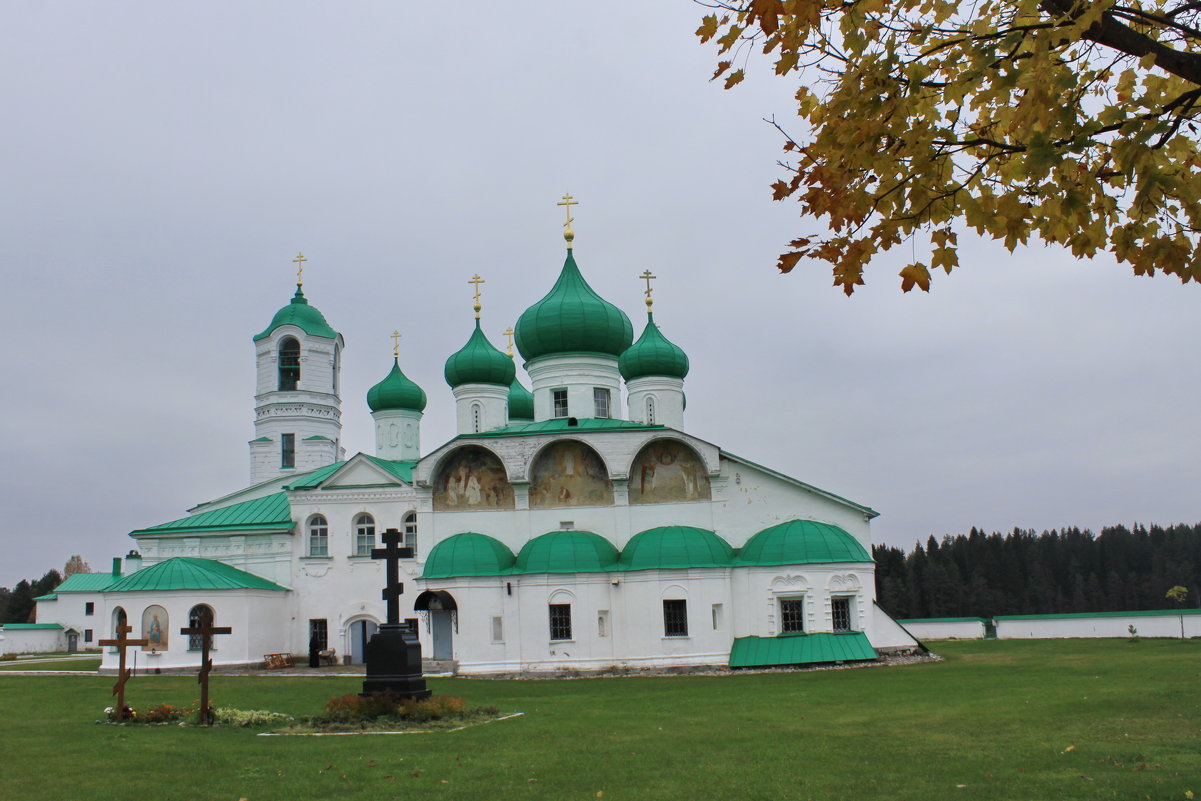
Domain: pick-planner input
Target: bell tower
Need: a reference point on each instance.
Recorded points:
(297, 410)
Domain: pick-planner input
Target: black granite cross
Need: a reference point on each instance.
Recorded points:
(393, 553)
(205, 632)
(122, 642)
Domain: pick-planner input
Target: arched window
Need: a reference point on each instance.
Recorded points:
(119, 619)
(200, 615)
(650, 409)
(318, 536)
(476, 425)
(410, 529)
(289, 364)
(364, 535)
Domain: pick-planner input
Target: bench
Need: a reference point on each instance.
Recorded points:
(277, 661)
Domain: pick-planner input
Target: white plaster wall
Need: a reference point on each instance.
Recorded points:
(1165, 625)
(267, 555)
(397, 434)
(493, 404)
(946, 629)
(668, 394)
(578, 373)
(760, 589)
(886, 633)
(31, 641)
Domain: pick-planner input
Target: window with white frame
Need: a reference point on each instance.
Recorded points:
(318, 536)
(364, 535)
(840, 611)
(89, 608)
(600, 400)
(560, 621)
(559, 402)
(410, 531)
(792, 615)
(287, 450)
(675, 617)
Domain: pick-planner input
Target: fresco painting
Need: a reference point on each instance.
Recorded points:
(569, 474)
(472, 479)
(154, 629)
(666, 471)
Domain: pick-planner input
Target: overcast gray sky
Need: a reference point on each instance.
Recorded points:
(162, 163)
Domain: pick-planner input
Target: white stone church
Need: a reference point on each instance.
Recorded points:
(576, 525)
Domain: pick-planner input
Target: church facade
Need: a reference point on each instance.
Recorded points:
(574, 525)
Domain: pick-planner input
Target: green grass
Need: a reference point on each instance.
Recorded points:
(996, 716)
(57, 664)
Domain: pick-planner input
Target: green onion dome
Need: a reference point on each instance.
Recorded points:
(567, 552)
(468, 554)
(478, 362)
(300, 314)
(521, 402)
(676, 547)
(396, 391)
(572, 318)
(653, 354)
(802, 542)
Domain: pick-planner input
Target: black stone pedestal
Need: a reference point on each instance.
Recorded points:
(394, 663)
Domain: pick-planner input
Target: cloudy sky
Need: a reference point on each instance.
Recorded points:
(162, 163)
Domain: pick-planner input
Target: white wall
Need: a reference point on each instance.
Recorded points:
(951, 629)
(1165, 624)
(31, 641)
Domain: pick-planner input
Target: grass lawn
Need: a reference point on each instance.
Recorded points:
(54, 664)
(1066, 719)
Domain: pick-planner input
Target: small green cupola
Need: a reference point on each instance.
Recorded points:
(653, 355)
(301, 314)
(396, 391)
(521, 403)
(479, 362)
(572, 318)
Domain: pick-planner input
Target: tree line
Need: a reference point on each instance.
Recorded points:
(1058, 571)
(17, 604)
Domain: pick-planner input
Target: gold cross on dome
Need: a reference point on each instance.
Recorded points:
(508, 332)
(299, 262)
(396, 335)
(475, 279)
(646, 276)
(568, 201)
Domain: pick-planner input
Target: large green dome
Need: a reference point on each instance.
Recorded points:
(521, 402)
(396, 391)
(653, 354)
(676, 547)
(802, 542)
(300, 314)
(567, 552)
(572, 318)
(478, 362)
(468, 554)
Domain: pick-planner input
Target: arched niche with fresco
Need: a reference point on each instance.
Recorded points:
(569, 473)
(668, 471)
(471, 479)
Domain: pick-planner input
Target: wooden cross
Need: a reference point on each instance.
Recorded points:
(299, 262)
(508, 332)
(205, 632)
(396, 335)
(122, 642)
(393, 553)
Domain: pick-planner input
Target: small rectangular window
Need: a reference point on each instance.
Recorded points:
(560, 621)
(287, 450)
(89, 608)
(675, 618)
(87, 635)
(718, 617)
(600, 397)
(498, 629)
(559, 400)
(840, 609)
(410, 524)
(792, 615)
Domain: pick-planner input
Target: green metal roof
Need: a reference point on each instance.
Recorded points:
(396, 391)
(560, 424)
(478, 362)
(521, 402)
(1142, 613)
(402, 470)
(300, 314)
(48, 597)
(468, 554)
(87, 582)
(941, 620)
(271, 512)
(317, 437)
(801, 542)
(314, 478)
(191, 573)
(572, 318)
(800, 649)
(31, 626)
(653, 354)
(566, 552)
(676, 546)
(867, 510)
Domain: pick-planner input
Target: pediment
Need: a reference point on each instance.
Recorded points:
(360, 471)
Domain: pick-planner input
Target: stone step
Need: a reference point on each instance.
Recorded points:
(439, 666)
